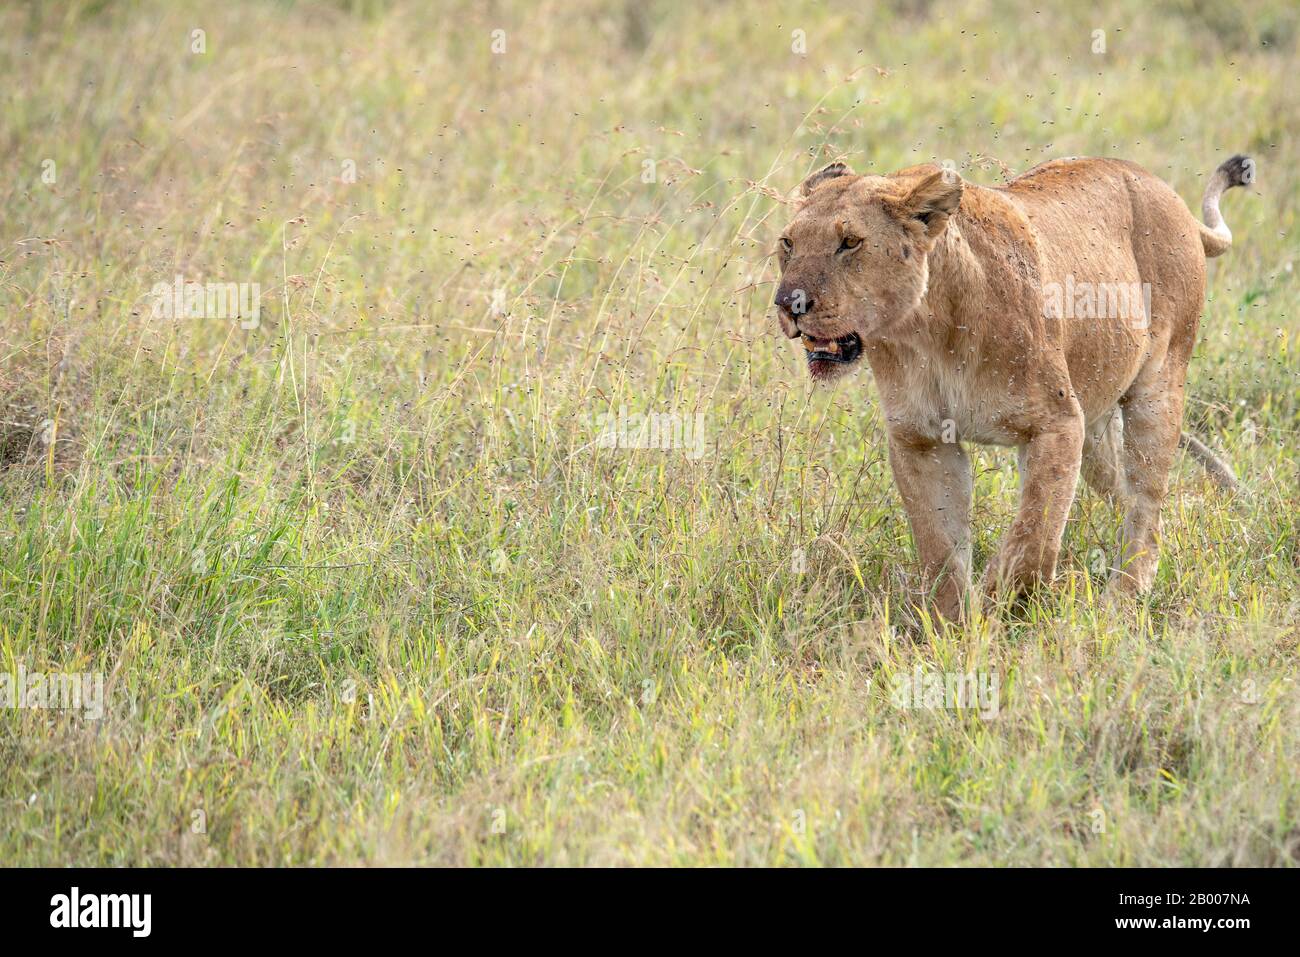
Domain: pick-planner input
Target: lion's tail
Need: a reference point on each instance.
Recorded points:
(1220, 472)
(1216, 237)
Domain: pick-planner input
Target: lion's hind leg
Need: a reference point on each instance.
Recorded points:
(1103, 457)
(1152, 415)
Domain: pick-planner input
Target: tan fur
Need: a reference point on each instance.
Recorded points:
(949, 289)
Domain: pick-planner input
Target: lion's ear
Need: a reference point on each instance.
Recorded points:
(822, 175)
(932, 201)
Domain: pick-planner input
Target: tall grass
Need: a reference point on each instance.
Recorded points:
(363, 582)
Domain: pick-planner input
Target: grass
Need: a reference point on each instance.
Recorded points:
(364, 586)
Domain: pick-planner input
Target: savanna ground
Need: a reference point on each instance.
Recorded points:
(364, 586)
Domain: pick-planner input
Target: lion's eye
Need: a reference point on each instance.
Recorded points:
(786, 245)
(850, 242)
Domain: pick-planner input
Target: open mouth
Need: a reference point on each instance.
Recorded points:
(844, 350)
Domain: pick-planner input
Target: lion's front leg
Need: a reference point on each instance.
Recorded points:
(934, 479)
(1028, 554)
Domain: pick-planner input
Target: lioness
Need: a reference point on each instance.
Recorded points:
(965, 301)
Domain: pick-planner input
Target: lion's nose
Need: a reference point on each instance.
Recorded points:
(795, 302)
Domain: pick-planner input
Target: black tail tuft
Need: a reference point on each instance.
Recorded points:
(1240, 170)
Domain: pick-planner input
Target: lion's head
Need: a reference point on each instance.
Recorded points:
(854, 258)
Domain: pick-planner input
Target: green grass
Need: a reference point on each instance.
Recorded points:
(364, 586)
